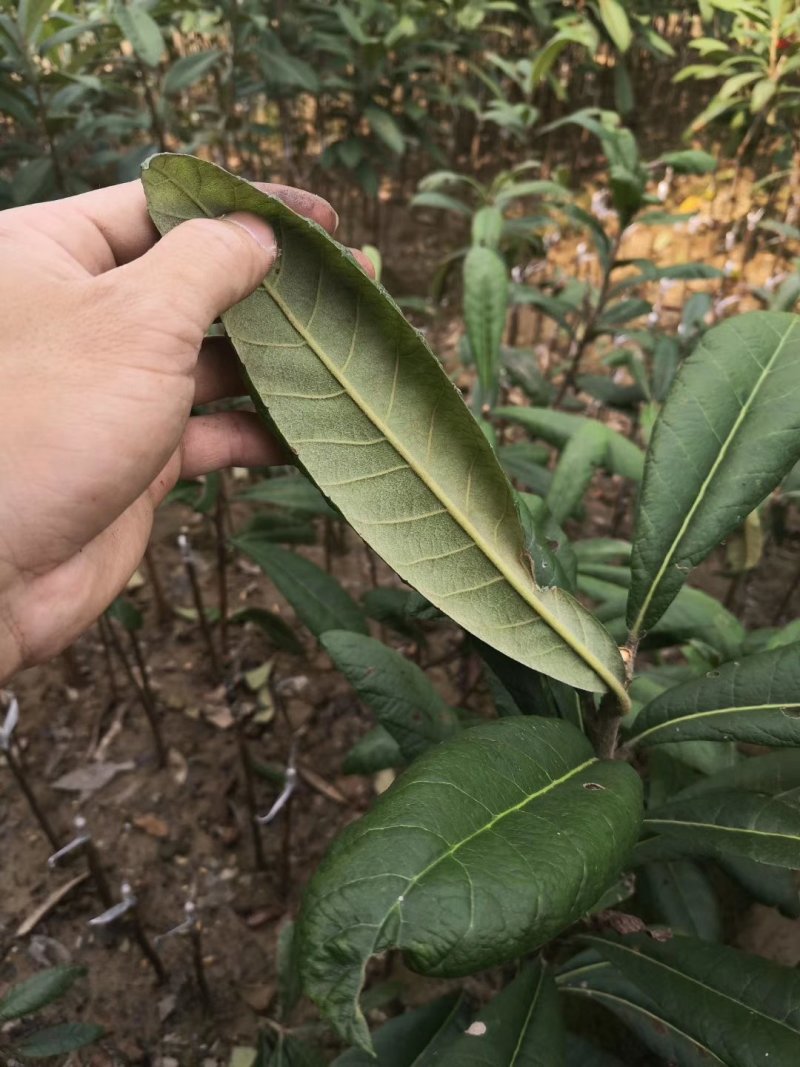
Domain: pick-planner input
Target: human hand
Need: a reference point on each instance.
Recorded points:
(101, 360)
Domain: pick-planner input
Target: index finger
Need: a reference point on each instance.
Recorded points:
(108, 227)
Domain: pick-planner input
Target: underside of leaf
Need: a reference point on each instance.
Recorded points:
(372, 416)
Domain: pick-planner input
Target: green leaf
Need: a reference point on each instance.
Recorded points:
(689, 161)
(487, 227)
(774, 886)
(37, 992)
(126, 613)
(56, 1040)
(525, 463)
(762, 93)
(521, 1027)
(616, 22)
(393, 607)
(399, 693)
(410, 1040)
(582, 1053)
(318, 599)
(293, 492)
(431, 198)
(484, 849)
(583, 453)
(723, 1006)
(774, 774)
(622, 456)
(757, 827)
(385, 127)
(141, 29)
(279, 527)
(375, 751)
(277, 629)
(725, 438)
(680, 895)
(755, 699)
(485, 303)
(188, 70)
(382, 430)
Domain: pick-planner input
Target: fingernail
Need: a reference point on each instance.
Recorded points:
(258, 228)
(336, 219)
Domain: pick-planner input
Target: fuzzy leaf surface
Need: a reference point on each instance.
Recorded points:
(484, 849)
(373, 418)
(726, 436)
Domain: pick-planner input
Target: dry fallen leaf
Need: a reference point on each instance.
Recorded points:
(152, 825)
(92, 777)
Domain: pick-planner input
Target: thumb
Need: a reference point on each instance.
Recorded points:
(204, 266)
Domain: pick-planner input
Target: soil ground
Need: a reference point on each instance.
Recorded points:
(183, 832)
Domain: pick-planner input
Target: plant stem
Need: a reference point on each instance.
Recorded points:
(196, 941)
(250, 797)
(222, 571)
(44, 823)
(149, 701)
(584, 330)
(197, 595)
(162, 607)
(112, 678)
(145, 695)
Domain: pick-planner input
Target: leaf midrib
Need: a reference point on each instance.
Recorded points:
(633, 1006)
(709, 989)
(453, 510)
(722, 829)
(529, 1015)
(733, 710)
(699, 499)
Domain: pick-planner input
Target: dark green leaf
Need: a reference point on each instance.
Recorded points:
(277, 629)
(722, 1006)
(757, 827)
(293, 492)
(521, 1027)
(409, 1039)
(376, 751)
(399, 693)
(187, 70)
(679, 895)
(56, 1040)
(318, 599)
(37, 992)
(725, 437)
(755, 699)
(484, 849)
(126, 613)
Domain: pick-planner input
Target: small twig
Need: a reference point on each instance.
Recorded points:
(250, 794)
(145, 695)
(222, 567)
(149, 701)
(283, 803)
(187, 558)
(6, 747)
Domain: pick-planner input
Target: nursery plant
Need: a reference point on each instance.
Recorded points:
(22, 1042)
(580, 841)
